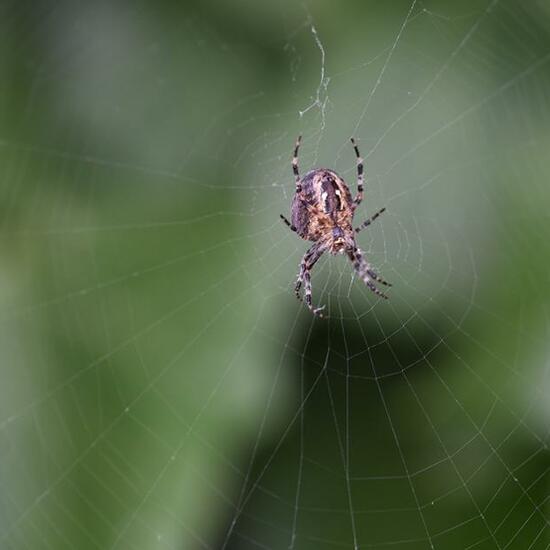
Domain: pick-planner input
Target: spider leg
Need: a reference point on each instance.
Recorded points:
(310, 255)
(366, 223)
(363, 269)
(309, 260)
(377, 278)
(292, 227)
(295, 164)
(360, 177)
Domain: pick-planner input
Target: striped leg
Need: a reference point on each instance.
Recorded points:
(292, 227)
(295, 164)
(370, 220)
(360, 178)
(365, 272)
(377, 278)
(309, 260)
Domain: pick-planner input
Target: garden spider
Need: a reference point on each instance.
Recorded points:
(322, 212)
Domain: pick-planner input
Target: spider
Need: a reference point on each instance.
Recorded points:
(322, 212)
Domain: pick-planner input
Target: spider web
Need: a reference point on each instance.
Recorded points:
(161, 387)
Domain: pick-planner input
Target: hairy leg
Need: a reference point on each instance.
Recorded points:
(366, 223)
(295, 164)
(309, 260)
(365, 272)
(360, 177)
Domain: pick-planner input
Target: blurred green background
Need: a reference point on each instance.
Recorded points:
(160, 385)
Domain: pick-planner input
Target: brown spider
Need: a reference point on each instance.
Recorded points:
(322, 212)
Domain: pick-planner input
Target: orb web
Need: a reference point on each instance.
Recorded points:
(161, 385)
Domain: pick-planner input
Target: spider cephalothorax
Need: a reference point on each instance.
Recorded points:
(322, 212)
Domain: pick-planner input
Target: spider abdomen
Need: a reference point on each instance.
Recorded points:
(321, 202)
